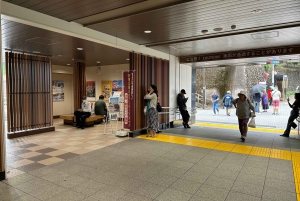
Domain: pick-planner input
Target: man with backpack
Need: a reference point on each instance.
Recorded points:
(227, 102)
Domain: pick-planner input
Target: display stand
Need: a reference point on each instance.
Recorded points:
(111, 117)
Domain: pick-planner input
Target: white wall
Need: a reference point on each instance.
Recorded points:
(186, 82)
(66, 75)
(112, 72)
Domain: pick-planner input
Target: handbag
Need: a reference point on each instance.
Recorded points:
(252, 123)
(158, 107)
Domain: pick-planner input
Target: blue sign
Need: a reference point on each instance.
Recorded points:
(274, 62)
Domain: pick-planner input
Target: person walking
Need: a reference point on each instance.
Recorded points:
(243, 107)
(257, 99)
(270, 96)
(227, 102)
(152, 121)
(181, 100)
(264, 101)
(215, 102)
(293, 115)
(276, 95)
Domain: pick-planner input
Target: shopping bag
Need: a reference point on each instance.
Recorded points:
(252, 123)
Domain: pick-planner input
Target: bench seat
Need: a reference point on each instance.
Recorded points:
(69, 119)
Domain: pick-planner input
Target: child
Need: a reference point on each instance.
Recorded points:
(264, 102)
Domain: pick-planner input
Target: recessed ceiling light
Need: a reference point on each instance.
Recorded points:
(127, 59)
(73, 59)
(147, 31)
(98, 62)
(68, 64)
(79, 48)
(218, 29)
(60, 55)
(36, 52)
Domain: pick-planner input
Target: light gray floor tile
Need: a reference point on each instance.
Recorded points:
(246, 188)
(286, 176)
(199, 167)
(26, 198)
(70, 181)
(236, 196)
(186, 186)
(210, 162)
(250, 178)
(134, 197)
(68, 196)
(47, 193)
(172, 155)
(128, 183)
(109, 193)
(280, 185)
(19, 179)
(211, 192)
(226, 173)
(163, 180)
(42, 171)
(278, 195)
(182, 164)
(219, 182)
(123, 170)
(173, 171)
(142, 174)
(108, 178)
(88, 188)
(55, 176)
(164, 160)
(254, 171)
(33, 185)
(149, 190)
(10, 193)
(171, 195)
(195, 176)
(230, 166)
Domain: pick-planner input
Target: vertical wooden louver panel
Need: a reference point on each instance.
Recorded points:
(79, 80)
(28, 86)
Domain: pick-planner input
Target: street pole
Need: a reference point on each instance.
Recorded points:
(273, 74)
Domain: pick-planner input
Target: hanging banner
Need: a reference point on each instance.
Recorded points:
(58, 93)
(128, 78)
(106, 88)
(90, 89)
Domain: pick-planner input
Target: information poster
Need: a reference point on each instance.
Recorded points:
(128, 100)
(90, 89)
(106, 88)
(114, 104)
(117, 85)
(58, 90)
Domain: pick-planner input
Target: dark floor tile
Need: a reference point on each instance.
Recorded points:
(29, 145)
(67, 155)
(40, 157)
(18, 152)
(31, 167)
(47, 150)
(12, 159)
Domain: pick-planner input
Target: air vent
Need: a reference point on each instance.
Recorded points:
(265, 35)
(42, 41)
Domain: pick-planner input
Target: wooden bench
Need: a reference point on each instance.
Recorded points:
(69, 119)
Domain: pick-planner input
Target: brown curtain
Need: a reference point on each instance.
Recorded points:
(79, 80)
(149, 70)
(2, 147)
(28, 88)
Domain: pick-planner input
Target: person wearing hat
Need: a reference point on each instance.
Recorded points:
(243, 107)
(181, 100)
(227, 102)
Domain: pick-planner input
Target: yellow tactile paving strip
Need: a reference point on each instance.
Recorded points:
(238, 148)
(234, 127)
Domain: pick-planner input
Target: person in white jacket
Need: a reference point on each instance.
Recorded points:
(83, 113)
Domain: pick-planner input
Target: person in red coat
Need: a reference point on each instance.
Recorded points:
(270, 96)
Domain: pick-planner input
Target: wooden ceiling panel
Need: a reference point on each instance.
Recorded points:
(28, 39)
(70, 10)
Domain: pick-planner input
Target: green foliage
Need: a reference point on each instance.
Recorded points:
(267, 67)
(289, 93)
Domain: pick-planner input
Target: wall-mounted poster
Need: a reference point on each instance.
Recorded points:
(90, 89)
(117, 85)
(58, 90)
(106, 89)
(114, 104)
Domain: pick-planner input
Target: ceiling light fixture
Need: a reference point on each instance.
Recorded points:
(98, 62)
(68, 64)
(79, 48)
(147, 31)
(218, 29)
(60, 55)
(73, 59)
(127, 59)
(36, 52)
(256, 11)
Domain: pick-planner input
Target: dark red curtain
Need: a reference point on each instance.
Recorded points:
(149, 70)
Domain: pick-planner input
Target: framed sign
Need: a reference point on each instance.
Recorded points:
(58, 93)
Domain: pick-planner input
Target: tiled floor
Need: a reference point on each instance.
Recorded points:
(169, 167)
(36, 151)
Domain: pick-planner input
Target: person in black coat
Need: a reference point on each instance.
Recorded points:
(293, 115)
(181, 100)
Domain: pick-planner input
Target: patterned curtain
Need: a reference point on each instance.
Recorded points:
(149, 70)
(79, 80)
(28, 89)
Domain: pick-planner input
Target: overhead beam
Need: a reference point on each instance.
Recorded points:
(227, 33)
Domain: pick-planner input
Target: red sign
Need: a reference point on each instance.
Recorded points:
(128, 78)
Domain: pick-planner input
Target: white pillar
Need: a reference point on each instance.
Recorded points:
(2, 120)
(273, 74)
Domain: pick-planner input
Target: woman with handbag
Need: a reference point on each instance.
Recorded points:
(152, 120)
(243, 107)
